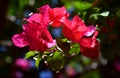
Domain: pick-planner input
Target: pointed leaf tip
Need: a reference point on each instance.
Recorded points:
(30, 54)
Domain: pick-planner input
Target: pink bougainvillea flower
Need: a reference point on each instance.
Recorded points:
(19, 40)
(75, 29)
(58, 16)
(89, 46)
(36, 17)
(37, 37)
(55, 16)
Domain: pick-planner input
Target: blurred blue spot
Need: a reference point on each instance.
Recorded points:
(45, 74)
(57, 32)
(26, 13)
(3, 49)
(54, 2)
(32, 63)
(18, 21)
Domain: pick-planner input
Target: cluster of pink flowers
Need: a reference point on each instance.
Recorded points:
(36, 35)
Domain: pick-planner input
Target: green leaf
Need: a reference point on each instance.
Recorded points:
(84, 15)
(30, 54)
(85, 60)
(118, 13)
(92, 74)
(37, 61)
(22, 4)
(104, 13)
(81, 5)
(46, 53)
(56, 61)
(100, 14)
(95, 16)
(74, 49)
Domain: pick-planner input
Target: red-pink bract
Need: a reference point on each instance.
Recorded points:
(44, 10)
(75, 29)
(36, 36)
(36, 17)
(89, 46)
(54, 16)
(19, 40)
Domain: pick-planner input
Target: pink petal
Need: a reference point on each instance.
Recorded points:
(62, 19)
(91, 31)
(49, 45)
(19, 40)
(36, 17)
(94, 39)
(47, 36)
(44, 10)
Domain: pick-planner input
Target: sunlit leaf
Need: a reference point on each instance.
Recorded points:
(30, 54)
(74, 49)
(81, 5)
(56, 61)
(64, 40)
(37, 61)
(46, 53)
(95, 16)
(104, 13)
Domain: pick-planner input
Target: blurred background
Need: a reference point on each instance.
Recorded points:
(104, 13)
